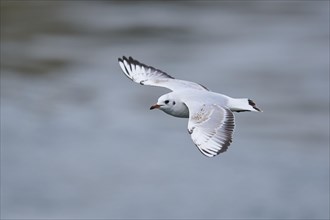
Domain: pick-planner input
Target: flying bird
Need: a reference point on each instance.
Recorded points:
(211, 119)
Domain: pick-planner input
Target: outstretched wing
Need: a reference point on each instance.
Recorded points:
(148, 75)
(211, 128)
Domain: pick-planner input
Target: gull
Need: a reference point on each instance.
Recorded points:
(211, 119)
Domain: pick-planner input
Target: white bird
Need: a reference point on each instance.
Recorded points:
(211, 118)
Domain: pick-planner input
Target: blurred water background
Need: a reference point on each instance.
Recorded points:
(78, 139)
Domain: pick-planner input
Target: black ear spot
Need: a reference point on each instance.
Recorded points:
(166, 101)
(173, 102)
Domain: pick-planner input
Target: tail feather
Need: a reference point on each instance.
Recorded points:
(243, 105)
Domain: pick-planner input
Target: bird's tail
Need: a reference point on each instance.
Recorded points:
(243, 105)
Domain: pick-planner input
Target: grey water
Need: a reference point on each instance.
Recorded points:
(78, 140)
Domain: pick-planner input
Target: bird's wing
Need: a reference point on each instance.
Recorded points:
(211, 127)
(148, 75)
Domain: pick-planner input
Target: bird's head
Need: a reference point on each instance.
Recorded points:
(172, 105)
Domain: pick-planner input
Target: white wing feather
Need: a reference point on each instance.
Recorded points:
(148, 75)
(211, 128)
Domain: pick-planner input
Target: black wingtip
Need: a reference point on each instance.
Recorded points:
(129, 59)
(122, 58)
(135, 62)
(253, 104)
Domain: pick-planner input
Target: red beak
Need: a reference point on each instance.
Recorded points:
(155, 106)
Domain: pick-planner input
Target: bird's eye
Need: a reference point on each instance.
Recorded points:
(166, 101)
(173, 102)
